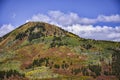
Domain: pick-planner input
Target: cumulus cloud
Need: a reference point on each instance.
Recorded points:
(72, 18)
(112, 18)
(39, 17)
(62, 18)
(57, 17)
(6, 28)
(96, 32)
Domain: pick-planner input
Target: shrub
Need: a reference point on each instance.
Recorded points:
(35, 36)
(21, 35)
(87, 46)
(96, 69)
(38, 62)
(116, 63)
(10, 73)
(57, 66)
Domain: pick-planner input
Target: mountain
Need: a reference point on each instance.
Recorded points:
(41, 51)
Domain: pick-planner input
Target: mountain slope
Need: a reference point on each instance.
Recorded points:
(38, 50)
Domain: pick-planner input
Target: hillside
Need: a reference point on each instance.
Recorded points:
(41, 51)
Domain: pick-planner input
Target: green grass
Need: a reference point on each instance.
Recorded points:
(10, 65)
(6, 55)
(40, 73)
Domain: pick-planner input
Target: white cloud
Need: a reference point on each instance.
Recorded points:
(72, 18)
(64, 19)
(6, 28)
(40, 17)
(96, 32)
(57, 17)
(112, 18)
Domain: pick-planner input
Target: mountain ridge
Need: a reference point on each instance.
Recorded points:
(35, 23)
(38, 50)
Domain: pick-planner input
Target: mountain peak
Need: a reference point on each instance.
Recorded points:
(41, 28)
(35, 30)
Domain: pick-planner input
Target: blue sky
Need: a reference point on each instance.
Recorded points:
(65, 13)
